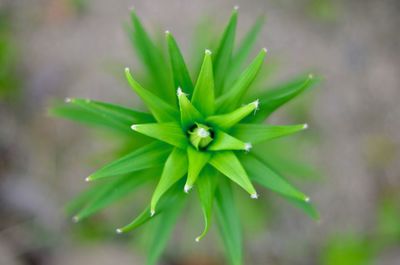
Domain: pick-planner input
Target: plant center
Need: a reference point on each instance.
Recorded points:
(200, 136)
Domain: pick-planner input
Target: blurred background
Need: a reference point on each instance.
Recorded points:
(51, 49)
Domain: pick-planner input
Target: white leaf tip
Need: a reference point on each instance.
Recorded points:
(305, 126)
(307, 199)
(75, 219)
(134, 127)
(197, 239)
(167, 32)
(247, 147)
(236, 7)
(152, 213)
(203, 133)
(254, 196)
(179, 92)
(118, 231)
(310, 76)
(256, 103)
(265, 49)
(88, 179)
(187, 188)
(207, 51)
(68, 100)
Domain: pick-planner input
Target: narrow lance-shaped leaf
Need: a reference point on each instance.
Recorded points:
(161, 231)
(306, 207)
(229, 224)
(224, 52)
(244, 49)
(179, 69)
(105, 111)
(112, 192)
(189, 114)
(276, 97)
(226, 121)
(256, 133)
(175, 168)
(161, 110)
(197, 160)
(151, 155)
(166, 201)
(224, 141)
(124, 114)
(203, 94)
(234, 95)
(261, 173)
(169, 132)
(152, 58)
(85, 116)
(79, 202)
(228, 164)
(270, 179)
(206, 185)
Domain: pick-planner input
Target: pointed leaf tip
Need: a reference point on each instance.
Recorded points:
(247, 147)
(254, 196)
(75, 219)
(118, 231)
(187, 188)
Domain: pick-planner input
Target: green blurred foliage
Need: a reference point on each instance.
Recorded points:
(10, 81)
(365, 248)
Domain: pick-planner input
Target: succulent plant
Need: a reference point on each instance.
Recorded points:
(198, 134)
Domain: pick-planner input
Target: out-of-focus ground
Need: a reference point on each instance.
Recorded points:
(75, 47)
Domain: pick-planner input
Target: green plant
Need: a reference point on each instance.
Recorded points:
(197, 134)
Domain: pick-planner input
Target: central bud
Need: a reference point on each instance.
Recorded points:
(200, 136)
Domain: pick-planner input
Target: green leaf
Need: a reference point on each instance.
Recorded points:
(197, 160)
(99, 114)
(175, 168)
(206, 186)
(76, 113)
(112, 192)
(82, 199)
(166, 201)
(189, 114)
(234, 95)
(229, 224)
(153, 59)
(161, 110)
(273, 98)
(151, 155)
(224, 141)
(161, 231)
(179, 69)
(116, 112)
(226, 121)
(255, 133)
(224, 53)
(270, 179)
(228, 164)
(264, 175)
(244, 49)
(203, 94)
(306, 207)
(169, 132)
